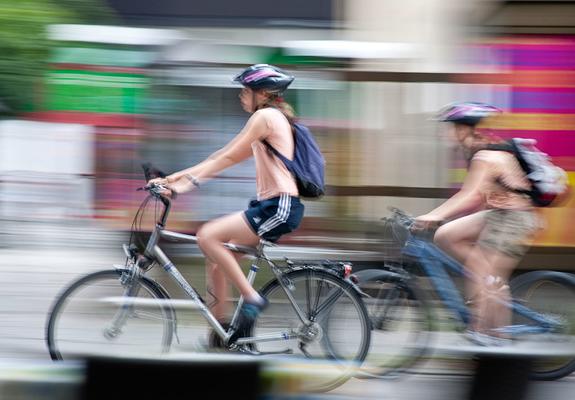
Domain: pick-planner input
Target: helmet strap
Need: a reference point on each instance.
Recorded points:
(255, 105)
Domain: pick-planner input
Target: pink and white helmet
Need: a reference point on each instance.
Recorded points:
(264, 77)
(467, 113)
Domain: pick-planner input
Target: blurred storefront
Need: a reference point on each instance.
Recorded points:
(99, 77)
(369, 75)
(537, 78)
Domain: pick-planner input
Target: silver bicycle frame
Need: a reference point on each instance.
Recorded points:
(154, 252)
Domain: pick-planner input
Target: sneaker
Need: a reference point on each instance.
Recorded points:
(248, 314)
(485, 340)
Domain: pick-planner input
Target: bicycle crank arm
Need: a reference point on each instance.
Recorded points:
(303, 350)
(265, 353)
(269, 353)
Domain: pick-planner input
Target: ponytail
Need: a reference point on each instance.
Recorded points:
(279, 103)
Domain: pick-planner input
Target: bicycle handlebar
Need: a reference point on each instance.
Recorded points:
(156, 189)
(401, 218)
(402, 225)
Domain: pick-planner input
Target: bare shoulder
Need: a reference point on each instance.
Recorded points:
(267, 112)
(490, 156)
(272, 114)
(259, 120)
(268, 118)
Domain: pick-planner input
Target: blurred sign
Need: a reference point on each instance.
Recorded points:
(46, 147)
(541, 92)
(97, 80)
(45, 171)
(226, 12)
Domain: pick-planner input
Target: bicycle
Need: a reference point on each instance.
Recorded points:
(314, 310)
(540, 306)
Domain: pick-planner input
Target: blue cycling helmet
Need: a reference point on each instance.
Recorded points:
(264, 77)
(466, 113)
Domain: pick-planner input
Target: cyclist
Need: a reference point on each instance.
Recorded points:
(488, 223)
(276, 211)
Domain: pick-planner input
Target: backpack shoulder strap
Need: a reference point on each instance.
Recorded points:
(510, 147)
(273, 149)
(505, 146)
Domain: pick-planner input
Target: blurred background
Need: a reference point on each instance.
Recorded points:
(90, 89)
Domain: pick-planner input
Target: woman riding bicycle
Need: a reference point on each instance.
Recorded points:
(488, 223)
(277, 209)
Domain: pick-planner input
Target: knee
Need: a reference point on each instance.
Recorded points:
(205, 236)
(443, 238)
(495, 284)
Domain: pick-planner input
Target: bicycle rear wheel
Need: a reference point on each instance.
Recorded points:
(552, 295)
(330, 350)
(401, 323)
(109, 313)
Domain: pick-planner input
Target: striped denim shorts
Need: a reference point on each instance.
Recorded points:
(271, 218)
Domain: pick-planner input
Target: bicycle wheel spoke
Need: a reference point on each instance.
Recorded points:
(325, 307)
(308, 297)
(150, 315)
(337, 331)
(544, 312)
(86, 320)
(314, 310)
(400, 322)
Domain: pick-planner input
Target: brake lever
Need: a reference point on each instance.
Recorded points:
(155, 188)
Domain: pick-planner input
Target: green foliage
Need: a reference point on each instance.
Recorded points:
(24, 45)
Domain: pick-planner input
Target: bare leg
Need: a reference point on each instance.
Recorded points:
(495, 314)
(222, 263)
(218, 289)
(479, 262)
(506, 233)
(458, 238)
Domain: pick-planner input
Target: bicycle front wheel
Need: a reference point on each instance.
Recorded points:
(329, 349)
(401, 322)
(550, 295)
(110, 313)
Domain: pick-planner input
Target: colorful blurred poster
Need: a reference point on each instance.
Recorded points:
(538, 75)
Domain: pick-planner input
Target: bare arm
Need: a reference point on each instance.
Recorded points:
(236, 151)
(469, 197)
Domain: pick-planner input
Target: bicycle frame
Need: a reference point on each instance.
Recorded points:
(153, 252)
(436, 262)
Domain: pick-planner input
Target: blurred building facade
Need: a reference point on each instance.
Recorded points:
(369, 75)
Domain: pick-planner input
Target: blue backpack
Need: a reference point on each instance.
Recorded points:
(308, 164)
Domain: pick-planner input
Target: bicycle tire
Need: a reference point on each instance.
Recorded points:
(544, 292)
(401, 321)
(342, 327)
(73, 321)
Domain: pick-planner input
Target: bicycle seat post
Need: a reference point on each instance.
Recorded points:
(260, 247)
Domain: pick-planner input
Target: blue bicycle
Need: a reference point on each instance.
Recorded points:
(402, 316)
